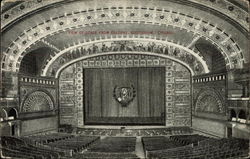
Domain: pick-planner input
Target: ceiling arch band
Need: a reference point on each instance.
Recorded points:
(229, 48)
(27, 7)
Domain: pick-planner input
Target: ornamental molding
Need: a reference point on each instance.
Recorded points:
(170, 46)
(32, 6)
(14, 53)
(37, 101)
(209, 97)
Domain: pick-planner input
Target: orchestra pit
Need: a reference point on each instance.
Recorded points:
(124, 79)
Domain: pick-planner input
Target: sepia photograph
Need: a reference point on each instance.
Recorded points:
(125, 79)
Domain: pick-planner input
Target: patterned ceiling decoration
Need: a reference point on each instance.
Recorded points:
(209, 101)
(37, 101)
(193, 60)
(225, 7)
(229, 48)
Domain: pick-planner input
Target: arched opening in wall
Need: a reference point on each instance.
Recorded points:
(12, 114)
(33, 61)
(232, 115)
(242, 115)
(212, 56)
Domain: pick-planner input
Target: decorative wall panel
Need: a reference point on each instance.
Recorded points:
(38, 105)
(210, 96)
(38, 101)
(67, 96)
(178, 106)
(37, 94)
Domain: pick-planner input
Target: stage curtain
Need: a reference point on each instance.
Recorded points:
(151, 87)
(149, 84)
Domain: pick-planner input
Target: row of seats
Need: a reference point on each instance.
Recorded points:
(209, 148)
(43, 139)
(114, 144)
(106, 155)
(74, 144)
(134, 132)
(111, 147)
(158, 143)
(15, 147)
(189, 139)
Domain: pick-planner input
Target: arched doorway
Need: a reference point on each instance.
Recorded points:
(12, 114)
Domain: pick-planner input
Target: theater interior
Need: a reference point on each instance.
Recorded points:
(124, 79)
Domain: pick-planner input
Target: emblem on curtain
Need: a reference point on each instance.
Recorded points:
(124, 95)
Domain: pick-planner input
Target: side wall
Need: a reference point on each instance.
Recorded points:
(209, 108)
(209, 126)
(34, 126)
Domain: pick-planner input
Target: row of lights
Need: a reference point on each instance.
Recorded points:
(230, 8)
(208, 79)
(34, 80)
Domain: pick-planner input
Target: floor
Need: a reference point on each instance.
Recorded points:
(139, 151)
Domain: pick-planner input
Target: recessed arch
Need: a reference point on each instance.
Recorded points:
(32, 62)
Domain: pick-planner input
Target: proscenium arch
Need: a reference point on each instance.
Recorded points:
(58, 72)
(13, 60)
(166, 43)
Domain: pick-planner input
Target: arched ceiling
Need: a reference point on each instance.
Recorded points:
(65, 26)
